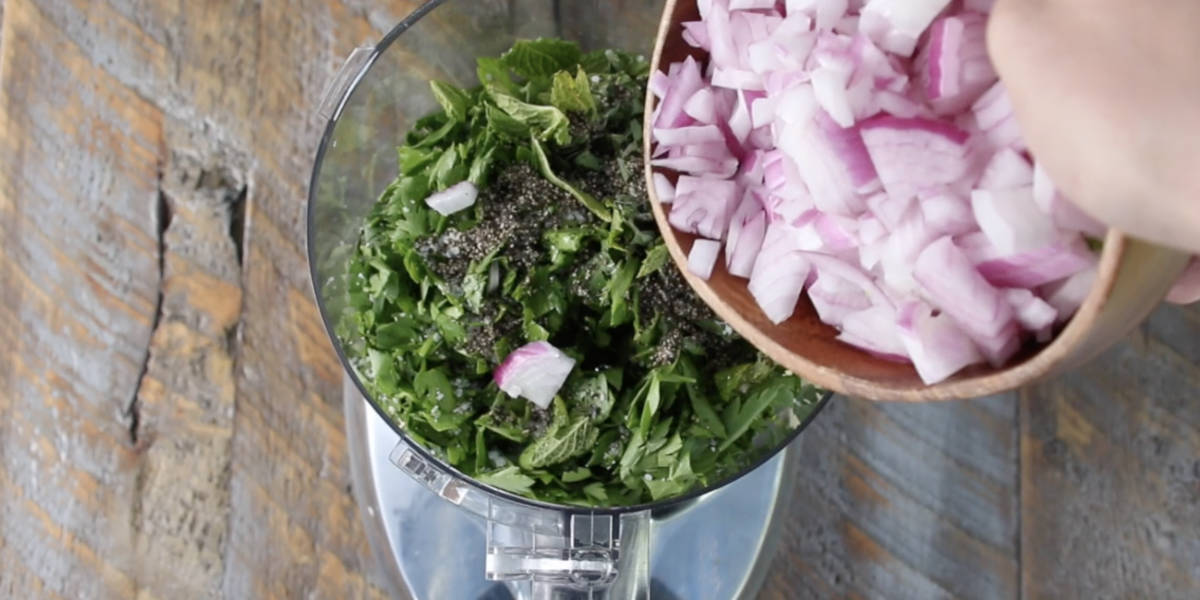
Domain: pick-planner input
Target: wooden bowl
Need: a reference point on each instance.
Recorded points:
(1133, 278)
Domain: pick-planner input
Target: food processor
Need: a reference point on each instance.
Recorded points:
(436, 533)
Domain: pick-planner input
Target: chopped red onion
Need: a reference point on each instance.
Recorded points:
(703, 206)
(1007, 170)
(663, 188)
(953, 67)
(453, 199)
(1032, 312)
(950, 282)
(937, 347)
(915, 155)
(1012, 221)
(1040, 266)
(825, 156)
(779, 273)
(895, 25)
(1067, 296)
(535, 372)
(745, 239)
(703, 257)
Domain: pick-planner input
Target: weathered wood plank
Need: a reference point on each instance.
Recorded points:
(626, 24)
(151, 518)
(1111, 470)
(289, 473)
(79, 262)
(903, 501)
(185, 404)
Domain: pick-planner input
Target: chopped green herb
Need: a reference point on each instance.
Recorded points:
(560, 246)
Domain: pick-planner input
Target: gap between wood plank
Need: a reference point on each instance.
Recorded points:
(162, 215)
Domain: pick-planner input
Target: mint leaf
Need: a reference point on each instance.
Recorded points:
(650, 403)
(542, 57)
(453, 100)
(663, 488)
(503, 123)
(546, 122)
(509, 478)
(572, 94)
(382, 371)
(591, 399)
(396, 334)
(481, 166)
(558, 446)
(445, 412)
(503, 424)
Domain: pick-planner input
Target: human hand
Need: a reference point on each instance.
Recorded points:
(1108, 96)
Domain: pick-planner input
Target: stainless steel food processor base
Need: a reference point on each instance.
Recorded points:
(717, 546)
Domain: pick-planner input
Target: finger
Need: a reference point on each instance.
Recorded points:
(1187, 288)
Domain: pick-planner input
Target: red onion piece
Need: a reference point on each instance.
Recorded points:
(935, 344)
(535, 372)
(1032, 312)
(663, 188)
(1067, 296)
(950, 282)
(1007, 170)
(1012, 221)
(915, 155)
(1039, 267)
(454, 198)
(703, 257)
(703, 206)
(895, 25)
(779, 273)
(953, 67)
(747, 229)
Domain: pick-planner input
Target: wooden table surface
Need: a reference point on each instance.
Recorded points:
(170, 420)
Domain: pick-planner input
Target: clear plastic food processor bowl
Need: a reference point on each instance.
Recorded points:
(557, 551)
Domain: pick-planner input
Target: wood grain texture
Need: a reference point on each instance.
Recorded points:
(1110, 491)
(170, 424)
(903, 501)
(80, 272)
(170, 420)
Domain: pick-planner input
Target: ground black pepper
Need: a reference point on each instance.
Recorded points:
(521, 206)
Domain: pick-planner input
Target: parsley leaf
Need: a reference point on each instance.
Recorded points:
(453, 100)
(560, 246)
